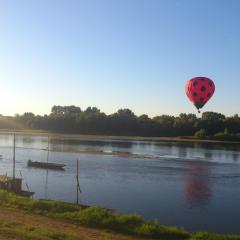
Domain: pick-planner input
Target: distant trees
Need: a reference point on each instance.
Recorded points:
(91, 121)
(72, 119)
(26, 119)
(65, 111)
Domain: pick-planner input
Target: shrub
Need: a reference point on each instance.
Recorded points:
(153, 229)
(201, 134)
(213, 236)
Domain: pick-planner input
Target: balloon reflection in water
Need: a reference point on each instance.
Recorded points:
(197, 185)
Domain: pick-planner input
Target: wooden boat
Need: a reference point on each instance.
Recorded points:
(46, 165)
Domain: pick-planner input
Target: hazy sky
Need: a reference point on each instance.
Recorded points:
(113, 54)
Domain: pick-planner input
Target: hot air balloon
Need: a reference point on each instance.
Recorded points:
(199, 90)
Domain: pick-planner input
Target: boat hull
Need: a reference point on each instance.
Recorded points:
(46, 165)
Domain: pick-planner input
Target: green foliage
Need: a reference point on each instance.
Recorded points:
(201, 134)
(94, 217)
(12, 230)
(44, 206)
(226, 135)
(131, 224)
(212, 236)
(71, 119)
(151, 229)
(213, 116)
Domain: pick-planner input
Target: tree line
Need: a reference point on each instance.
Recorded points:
(72, 119)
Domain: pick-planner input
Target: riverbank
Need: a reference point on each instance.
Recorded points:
(93, 217)
(22, 225)
(23, 218)
(115, 138)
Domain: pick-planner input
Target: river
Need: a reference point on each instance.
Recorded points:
(187, 184)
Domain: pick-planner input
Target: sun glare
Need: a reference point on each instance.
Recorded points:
(8, 102)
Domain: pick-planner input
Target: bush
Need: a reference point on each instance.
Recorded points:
(213, 236)
(201, 134)
(153, 229)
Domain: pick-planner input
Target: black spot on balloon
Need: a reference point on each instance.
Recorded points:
(210, 84)
(195, 83)
(209, 94)
(201, 99)
(203, 89)
(195, 94)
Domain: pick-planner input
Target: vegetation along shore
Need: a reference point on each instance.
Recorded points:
(74, 120)
(24, 218)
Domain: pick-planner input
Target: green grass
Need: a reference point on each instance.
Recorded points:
(101, 218)
(94, 217)
(12, 230)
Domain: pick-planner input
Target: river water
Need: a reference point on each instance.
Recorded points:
(192, 185)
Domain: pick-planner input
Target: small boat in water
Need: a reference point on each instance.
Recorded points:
(46, 165)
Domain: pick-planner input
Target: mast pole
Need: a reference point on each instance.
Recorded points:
(46, 185)
(14, 160)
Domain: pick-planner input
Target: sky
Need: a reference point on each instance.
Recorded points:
(114, 54)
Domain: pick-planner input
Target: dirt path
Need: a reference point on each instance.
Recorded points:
(83, 233)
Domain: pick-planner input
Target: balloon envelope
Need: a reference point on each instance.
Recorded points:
(199, 90)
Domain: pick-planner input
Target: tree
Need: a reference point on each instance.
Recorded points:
(213, 116)
(185, 124)
(65, 111)
(213, 122)
(71, 119)
(163, 125)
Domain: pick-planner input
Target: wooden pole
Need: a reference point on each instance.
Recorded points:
(48, 150)
(14, 161)
(77, 182)
(46, 184)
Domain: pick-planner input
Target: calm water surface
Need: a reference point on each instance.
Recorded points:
(196, 186)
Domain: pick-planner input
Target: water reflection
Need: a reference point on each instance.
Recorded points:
(46, 186)
(182, 152)
(197, 184)
(208, 155)
(235, 156)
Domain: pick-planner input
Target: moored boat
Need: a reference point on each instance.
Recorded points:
(46, 165)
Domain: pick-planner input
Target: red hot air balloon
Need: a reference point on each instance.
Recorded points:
(199, 90)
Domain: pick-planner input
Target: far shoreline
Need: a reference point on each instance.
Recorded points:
(92, 137)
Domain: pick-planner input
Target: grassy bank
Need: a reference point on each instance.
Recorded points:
(93, 217)
(13, 230)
